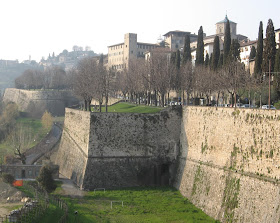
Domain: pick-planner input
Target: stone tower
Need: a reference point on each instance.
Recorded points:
(130, 47)
(221, 27)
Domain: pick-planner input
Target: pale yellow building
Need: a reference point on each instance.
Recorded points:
(120, 54)
(176, 39)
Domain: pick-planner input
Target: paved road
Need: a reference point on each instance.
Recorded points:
(69, 188)
(45, 146)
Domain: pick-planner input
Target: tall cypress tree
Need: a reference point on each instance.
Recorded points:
(234, 53)
(206, 62)
(259, 55)
(252, 53)
(178, 59)
(200, 48)
(269, 48)
(210, 61)
(227, 42)
(187, 50)
(276, 80)
(221, 61)
(216, 53)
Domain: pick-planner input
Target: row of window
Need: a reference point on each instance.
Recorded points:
(119, 66)
(148, 47)
(116, 59)
(116, 47)
(115, 54)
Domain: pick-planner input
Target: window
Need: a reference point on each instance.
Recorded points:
(131, 51)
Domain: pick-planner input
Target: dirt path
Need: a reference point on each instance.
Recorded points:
(69, 188)
(6, 207)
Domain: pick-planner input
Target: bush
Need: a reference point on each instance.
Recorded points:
(277, 105)
(46, 180)
(8, 178)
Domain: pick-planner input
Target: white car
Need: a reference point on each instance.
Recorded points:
(267, 107)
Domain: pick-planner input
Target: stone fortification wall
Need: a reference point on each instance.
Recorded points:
(120, 149)
(36, 102)
(72, 155)
(229, 163)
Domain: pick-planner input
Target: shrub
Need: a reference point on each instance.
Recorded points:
(8, 178)
(45, 179)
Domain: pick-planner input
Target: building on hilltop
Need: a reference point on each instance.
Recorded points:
(176, 39)
(120, 54)
(245, 51)
(220, 32)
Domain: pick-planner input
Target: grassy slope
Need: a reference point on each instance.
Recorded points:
(131, 108)
(36, 129)
(153, 205)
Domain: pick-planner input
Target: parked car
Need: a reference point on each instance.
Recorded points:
(267, 107)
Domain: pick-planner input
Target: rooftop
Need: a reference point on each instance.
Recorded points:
(225, 20)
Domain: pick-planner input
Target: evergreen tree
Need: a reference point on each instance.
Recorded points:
(221, 61)
(227, 42)
(216, 53)
(187, 50)
(276, 80)
(200, 48)
(173, 58)
(259, 55)
(210, 61)
(269, 47)
(46, 180)
(178, 59)
(206, 62)
(252, 53)
(234, 53)
(277, 61)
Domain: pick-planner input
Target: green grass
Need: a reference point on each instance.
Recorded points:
(131, 108)
(53, 214)
(154, 205)
(36, 130)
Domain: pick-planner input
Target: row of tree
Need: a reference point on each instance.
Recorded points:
(52, 78)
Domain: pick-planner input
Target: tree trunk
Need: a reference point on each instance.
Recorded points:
(100, 106)
(85, 105)
(162, 99)
(106, 103)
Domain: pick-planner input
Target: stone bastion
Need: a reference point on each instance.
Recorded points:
(36, 102)
(224, 160)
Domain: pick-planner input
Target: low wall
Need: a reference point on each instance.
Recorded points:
(229, 163)
(37, 102)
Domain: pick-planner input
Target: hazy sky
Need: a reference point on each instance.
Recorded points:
(37, 28)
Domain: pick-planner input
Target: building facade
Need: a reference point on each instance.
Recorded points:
(176, 39)
(120, 54)
(220, 32)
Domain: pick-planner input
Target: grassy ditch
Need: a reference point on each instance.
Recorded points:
(162, 204)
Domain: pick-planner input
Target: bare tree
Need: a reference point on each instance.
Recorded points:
(84, 81)
(20, 140)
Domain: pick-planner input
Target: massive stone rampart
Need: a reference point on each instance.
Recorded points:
(229, 163)
(36, 102)
(119, 150)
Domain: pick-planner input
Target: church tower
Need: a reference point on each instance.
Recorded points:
(221, 27)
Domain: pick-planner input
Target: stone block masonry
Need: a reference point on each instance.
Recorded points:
(229, 163)
(37, 102)
(115, 150)
(224, 160)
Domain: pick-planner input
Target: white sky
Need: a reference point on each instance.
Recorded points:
(37, 28)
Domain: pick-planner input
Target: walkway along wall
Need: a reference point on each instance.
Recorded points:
(120, 149)
(229, 163)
